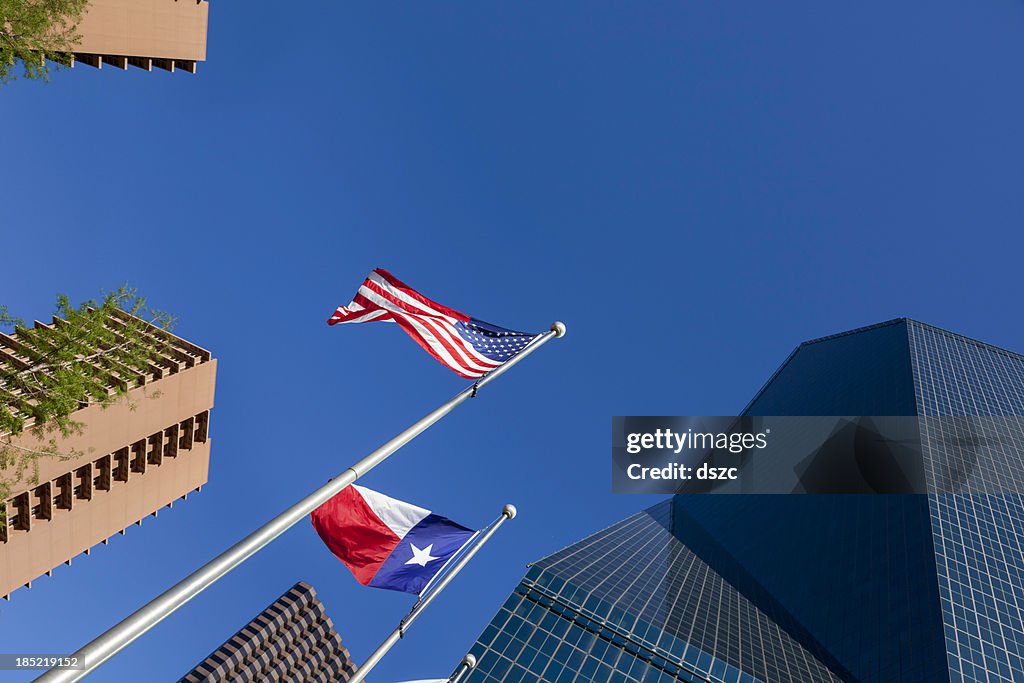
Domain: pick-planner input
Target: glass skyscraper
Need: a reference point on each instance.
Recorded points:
(806, 588)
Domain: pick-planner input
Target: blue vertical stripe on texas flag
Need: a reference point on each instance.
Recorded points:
(434, 537)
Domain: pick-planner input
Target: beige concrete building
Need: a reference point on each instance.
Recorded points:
(145, 452)
(167, 34)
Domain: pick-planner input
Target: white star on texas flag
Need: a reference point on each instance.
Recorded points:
(421, 557)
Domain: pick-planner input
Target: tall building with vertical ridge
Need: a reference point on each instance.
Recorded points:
(129, 460)
(292, 640)
(806, 588)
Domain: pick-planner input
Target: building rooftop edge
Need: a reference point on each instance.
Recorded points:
(874, 326)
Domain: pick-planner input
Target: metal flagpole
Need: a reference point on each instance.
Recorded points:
(509, 512)
(112, 641)
(467, 663)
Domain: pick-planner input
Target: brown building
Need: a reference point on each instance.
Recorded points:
(167, 34)
(292, 640)
(143, 453)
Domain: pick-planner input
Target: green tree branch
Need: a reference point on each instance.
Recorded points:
(94, 354)
(36, 33)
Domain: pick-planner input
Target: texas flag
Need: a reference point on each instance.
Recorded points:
(387, 543)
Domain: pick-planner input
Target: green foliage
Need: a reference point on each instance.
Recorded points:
(34, 31)
(93, 355)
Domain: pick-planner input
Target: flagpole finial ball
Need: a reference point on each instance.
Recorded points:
(509, 511)
(469, 661)
(558, 327)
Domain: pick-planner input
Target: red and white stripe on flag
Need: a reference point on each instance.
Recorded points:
(385, 298)
(362, 527)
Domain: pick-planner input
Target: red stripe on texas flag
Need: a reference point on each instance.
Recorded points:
(355, 533)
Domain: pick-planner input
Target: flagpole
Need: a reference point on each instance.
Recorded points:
(112, 641)
(507, 513)
(467, 663)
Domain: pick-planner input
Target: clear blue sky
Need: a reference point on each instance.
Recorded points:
(693, 187)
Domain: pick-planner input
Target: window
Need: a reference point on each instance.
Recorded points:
(155, 455)
(101, 482)
(43, 499)
(188, 428)
(83, 482)
(139, 456)
(171, 441)
(121, 464)
(63, 492)
(20, 511)
(202, 426)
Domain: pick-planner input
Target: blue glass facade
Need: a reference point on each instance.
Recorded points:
(871, 602)
(856, 574)
(978, 539)
(872, 589)
(634, 603)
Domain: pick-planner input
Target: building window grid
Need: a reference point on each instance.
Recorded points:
(79, 484)
(977, 540)
(667, 570)
(557, 649)
(979, 580)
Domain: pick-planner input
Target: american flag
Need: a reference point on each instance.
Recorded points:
(468, 346)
